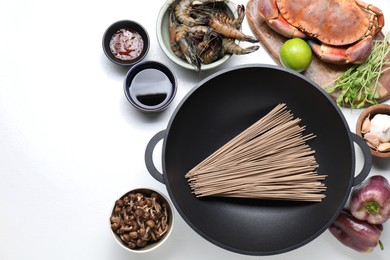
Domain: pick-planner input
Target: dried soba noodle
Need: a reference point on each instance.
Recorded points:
(268, 160)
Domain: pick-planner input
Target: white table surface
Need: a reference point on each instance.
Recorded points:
(70, 143)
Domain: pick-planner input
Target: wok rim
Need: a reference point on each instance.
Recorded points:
(235, 249)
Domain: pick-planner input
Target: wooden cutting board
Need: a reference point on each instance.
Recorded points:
(320, 72)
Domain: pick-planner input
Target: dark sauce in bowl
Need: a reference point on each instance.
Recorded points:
(150, 86)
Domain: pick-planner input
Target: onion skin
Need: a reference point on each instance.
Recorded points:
(356, 234)
(370, 200)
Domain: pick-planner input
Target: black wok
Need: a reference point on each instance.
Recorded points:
(220, 107)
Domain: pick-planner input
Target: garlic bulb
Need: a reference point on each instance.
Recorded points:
(380, 126)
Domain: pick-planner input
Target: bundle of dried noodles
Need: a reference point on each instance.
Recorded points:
(268, 160)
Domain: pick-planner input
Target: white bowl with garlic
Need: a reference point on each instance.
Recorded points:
(373, 126)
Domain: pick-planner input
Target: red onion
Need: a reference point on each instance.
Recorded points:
(370, 200)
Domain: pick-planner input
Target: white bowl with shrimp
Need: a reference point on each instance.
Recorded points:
(163, 38)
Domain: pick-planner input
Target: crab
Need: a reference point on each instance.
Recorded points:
(338, 31)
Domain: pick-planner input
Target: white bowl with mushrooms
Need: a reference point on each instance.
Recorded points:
(374, 126)
(141, 220)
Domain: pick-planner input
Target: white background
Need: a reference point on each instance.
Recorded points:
(71, 144)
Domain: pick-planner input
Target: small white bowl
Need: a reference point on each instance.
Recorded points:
(152, 245)
(163, 38)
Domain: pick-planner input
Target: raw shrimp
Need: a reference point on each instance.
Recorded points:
(229, 31)
(198, 32)
(221, 14)
(210, 47)
(230, 47)
(183, 10)
(208, 43)
(187, 46)
(173, 24)
(202, 31)
(211, 54)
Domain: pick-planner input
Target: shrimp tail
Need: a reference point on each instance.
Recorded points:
(240, 17)
(230, 47)
(251, 49)
(230, 32)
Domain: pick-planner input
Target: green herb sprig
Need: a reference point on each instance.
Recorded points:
(358, 85)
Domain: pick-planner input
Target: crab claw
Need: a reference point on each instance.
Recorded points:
(355, 54)
(270, 13)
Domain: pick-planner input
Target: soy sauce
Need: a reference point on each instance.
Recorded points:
(150, 88)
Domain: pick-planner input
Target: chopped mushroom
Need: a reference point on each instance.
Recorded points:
(139, 219)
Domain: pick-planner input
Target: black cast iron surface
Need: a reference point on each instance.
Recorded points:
(222, 106)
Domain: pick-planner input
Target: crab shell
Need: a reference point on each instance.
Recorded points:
(333, 22)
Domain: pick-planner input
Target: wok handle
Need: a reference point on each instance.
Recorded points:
(367, 159)
(149, 156)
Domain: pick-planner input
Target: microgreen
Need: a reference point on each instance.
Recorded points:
(358, 85)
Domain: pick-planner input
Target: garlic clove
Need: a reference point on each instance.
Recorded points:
(384, 147)
(366, 125)
(372, 139)
(371, 146)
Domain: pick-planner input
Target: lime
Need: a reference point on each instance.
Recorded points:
(295, 54)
